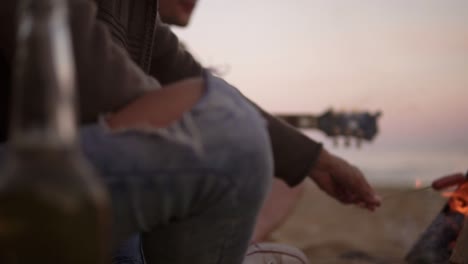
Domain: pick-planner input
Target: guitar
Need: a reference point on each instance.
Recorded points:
(359, 125)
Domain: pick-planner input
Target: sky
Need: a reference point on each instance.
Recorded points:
(406, 58)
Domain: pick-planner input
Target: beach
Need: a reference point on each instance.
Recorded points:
(331, 233)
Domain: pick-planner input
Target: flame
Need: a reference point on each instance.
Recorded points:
(458, 199)
(418, 183)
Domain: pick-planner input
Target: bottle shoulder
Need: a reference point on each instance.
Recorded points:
(51, 172)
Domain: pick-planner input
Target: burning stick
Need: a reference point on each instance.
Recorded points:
(459, 203)
(440, 184)
(460, 252)
(435, 244)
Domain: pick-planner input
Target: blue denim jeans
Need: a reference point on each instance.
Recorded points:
(129, 252)
(190, 191)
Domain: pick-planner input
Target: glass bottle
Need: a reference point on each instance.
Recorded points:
(53, 209)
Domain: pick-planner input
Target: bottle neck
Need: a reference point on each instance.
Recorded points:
(44, 82)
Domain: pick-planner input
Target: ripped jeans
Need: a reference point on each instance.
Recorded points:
(192, 190)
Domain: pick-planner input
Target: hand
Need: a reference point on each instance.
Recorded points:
(343, 181)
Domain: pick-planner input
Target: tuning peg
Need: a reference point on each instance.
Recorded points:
(358, 142)
(335, 141)
(347, 141)
(359, 133)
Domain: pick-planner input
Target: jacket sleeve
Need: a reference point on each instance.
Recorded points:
(170, 61)
(107, 78)
(294, 153)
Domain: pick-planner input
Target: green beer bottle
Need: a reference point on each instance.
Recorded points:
(53, 209)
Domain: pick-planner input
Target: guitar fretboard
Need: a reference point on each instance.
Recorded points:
(300, 121)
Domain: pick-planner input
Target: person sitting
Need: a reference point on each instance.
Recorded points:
(168, 146)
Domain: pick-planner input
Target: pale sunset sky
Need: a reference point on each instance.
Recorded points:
(407, 58)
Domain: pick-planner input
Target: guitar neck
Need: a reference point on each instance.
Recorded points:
(300, 121)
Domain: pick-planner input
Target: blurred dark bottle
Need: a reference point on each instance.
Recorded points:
(52, 207)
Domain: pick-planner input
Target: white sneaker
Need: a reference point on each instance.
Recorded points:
(273, 253)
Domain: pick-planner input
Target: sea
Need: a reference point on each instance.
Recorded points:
(400, 165)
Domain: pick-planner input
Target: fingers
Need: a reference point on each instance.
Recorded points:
(352, 188)
(345, 182)
(364, 192)
(344, 194)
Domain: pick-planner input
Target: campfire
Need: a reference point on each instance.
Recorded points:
(458, 200)
(459, 203)
(446, 239)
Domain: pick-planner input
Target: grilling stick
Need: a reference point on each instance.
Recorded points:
(439, 184)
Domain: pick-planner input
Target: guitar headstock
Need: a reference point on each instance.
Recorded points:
(359, 125)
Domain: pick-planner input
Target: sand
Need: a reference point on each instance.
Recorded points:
(325, 229)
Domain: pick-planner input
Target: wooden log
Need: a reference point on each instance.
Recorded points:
(460, 252)
(433, 247)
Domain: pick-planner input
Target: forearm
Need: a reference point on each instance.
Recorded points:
(295, 154)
